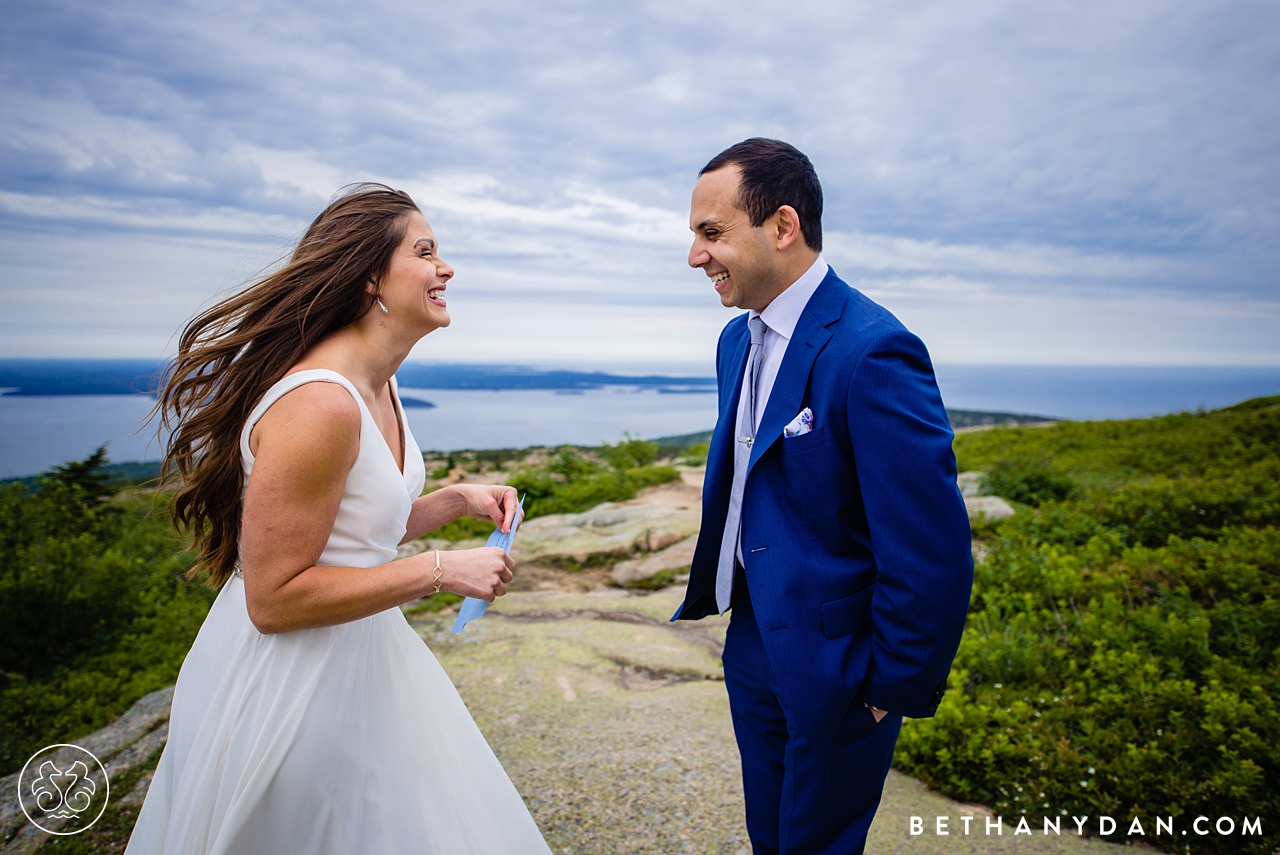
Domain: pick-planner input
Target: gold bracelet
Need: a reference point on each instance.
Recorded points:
(435, 579)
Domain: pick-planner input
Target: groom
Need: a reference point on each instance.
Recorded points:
(831, 523)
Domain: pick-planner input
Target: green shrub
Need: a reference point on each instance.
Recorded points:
(94, 610)
(1122, 654)
(550, 496)
(464, 528)
(1113, 453)
(696, 455)
(1151, 510)
(445, 468)
(571, 482)
(1029, 482)
(435, 603)
(630, 453)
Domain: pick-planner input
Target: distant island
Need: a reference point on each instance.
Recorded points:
(71, 377)
(140, 471)
(46, 377)
(49, 377)
(983, 418)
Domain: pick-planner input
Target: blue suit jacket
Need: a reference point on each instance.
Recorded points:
(855, 538)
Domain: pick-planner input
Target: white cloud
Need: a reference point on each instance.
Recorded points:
(1068, 329)
(83, 138)
(886, 253)
(292, 174)
(115, 213)
(981, 160)
(577, 208)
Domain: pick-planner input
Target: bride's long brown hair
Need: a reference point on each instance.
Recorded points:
(231, 353)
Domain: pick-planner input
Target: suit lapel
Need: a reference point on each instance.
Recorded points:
(811, 334)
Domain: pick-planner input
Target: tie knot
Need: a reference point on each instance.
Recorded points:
(756, 325)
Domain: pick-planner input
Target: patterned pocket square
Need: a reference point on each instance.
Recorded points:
(800, 425)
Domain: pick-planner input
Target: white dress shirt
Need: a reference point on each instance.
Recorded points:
(780, 318)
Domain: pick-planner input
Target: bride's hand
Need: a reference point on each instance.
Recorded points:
(494, 502)
(481, 573)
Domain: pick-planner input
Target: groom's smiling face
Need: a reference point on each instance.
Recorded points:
(737, 257)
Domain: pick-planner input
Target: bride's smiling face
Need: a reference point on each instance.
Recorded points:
(413, 289)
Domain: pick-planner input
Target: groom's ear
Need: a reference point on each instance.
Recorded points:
(784, 227)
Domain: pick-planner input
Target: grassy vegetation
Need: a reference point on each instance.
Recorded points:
(1122, 655)
(94, 612)
(435, 603)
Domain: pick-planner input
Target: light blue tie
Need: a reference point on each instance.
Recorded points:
(741, 458)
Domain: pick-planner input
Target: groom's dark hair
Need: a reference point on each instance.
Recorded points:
(774, 174)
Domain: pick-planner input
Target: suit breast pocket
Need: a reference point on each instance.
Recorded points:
(804, 442)
(845, 616)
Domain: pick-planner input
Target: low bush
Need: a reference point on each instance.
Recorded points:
(696, 455)
(1122, 655)
(571, 482)
(464, 528)
(630, 453)
(1029, 482)
(94, 610)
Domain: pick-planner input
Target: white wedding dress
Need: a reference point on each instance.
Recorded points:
(345, 739)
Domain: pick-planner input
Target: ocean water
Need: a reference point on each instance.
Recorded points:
(39, 432)
(36, 433)
(518, 418)
(1100, 392)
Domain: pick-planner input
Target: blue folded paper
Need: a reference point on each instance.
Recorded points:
(471, 607)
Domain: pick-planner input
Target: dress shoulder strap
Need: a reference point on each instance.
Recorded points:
(284, 386)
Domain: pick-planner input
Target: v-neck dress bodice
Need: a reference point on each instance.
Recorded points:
(377, 498)
(338, 740)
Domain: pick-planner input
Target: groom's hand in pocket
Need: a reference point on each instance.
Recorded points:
(480, 573)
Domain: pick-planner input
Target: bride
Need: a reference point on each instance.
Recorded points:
(308, 716)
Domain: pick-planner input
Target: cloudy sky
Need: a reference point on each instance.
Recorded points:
(1054, 182)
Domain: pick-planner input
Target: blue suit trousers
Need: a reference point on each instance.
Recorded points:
(801, 798)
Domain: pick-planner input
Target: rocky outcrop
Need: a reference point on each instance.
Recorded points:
(988, 507)
(653, 521)
(121, 746)
(976, 501)
(971, 484)
(676, 557)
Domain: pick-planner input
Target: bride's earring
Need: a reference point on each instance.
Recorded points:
(380, 306)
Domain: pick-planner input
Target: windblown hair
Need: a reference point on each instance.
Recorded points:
(774, 174)
(230, 354)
